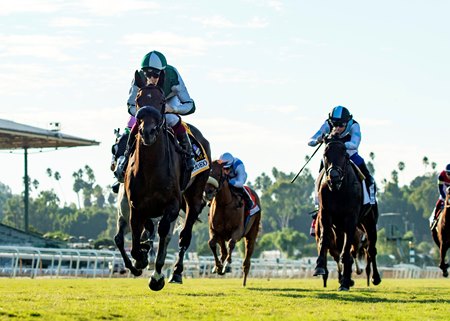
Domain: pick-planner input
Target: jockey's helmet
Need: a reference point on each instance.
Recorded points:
(447, 169)
(227, 159)
(339, 116)
(154, 60)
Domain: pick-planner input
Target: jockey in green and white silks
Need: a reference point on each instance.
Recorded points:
(155, 70)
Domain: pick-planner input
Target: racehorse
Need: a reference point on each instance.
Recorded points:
(153, 177)
(227, 222)
(340, 201)
(441, 234)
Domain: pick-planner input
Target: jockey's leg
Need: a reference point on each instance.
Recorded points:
(185, 142)
(370, 182)
(437, 210)
(123, 160)
(247, 199)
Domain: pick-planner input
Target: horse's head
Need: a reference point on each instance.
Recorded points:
(150, 105)
(335, 160)
(216, 179)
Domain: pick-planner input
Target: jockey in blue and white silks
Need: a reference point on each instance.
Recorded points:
(340, 121)
(237, 176)
(155, 71)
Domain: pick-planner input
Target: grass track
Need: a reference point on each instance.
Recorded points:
(222, 299)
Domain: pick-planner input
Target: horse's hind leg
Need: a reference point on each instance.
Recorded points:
(250, 240)
(193, 208)
(443, 251)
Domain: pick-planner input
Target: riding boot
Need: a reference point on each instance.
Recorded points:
(185, 142)
(122, 161)
(370, 182)
(248, 202)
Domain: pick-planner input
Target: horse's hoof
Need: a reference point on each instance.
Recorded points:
(445, 274)
(319, 271)
(376, 280)
(351, 283)
(343, 288)
(221, 271)
(135, 272)
(176, 278)
(227, 269)
(156, 285)
(214, 270)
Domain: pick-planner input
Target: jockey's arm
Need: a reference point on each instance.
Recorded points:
(241, 176)
(355, 134)
(131, 102)
(321, 133)
(184, 104)
(441, 187)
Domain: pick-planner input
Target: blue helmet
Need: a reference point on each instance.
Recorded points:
(227, 159)
(339, 114)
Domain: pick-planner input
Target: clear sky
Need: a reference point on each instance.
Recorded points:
(264, 75)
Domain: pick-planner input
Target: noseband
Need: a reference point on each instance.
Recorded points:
(336, 180)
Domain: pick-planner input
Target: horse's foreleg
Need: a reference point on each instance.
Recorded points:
(120, 243)
(165, 230)
(372, 254)
(228, 260)
(347, 261)
(137, 226)
(213, 246)
(322, 248)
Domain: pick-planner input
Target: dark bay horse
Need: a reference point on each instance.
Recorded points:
(441, 234)
(227, 223)
(152, 186)
(340, 201)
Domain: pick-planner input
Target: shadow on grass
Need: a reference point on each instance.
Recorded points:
(359, 295)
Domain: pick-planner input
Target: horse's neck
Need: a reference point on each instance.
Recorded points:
(153, 155)
(224, 195)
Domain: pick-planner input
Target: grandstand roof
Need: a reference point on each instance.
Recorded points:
(14, 135)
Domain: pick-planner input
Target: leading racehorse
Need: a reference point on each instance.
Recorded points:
(152, 184)
(441, 234)
(228, 222)
(340, 200)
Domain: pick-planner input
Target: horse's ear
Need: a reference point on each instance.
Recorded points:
(138, 81)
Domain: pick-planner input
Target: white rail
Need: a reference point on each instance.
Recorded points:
(16, 261)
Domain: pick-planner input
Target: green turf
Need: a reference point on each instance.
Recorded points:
(222, 299)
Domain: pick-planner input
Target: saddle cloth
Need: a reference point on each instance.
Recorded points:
(201, 159)
(255, 208)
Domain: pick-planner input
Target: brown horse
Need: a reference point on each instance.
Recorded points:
(441, 234)
(340, 201)
(152, 186)
(227, 223)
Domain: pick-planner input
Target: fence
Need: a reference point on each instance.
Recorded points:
(34, 262)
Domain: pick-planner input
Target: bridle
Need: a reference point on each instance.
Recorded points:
(332, 179)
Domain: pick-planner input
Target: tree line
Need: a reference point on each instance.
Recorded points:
(286, 212)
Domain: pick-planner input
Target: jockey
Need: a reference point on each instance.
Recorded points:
(156, 71)
(340, 121)
(235, 170)
(443, 184)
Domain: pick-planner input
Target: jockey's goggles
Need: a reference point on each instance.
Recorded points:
(151, 72)
(338, 124)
